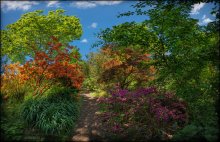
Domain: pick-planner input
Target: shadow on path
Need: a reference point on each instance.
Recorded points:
(88, 127)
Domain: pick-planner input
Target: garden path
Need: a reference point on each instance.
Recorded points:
(88, 127)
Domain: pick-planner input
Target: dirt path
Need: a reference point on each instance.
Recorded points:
(88, 127)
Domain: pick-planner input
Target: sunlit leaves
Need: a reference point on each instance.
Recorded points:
(34, 29)
(47, 69)
(133, 34)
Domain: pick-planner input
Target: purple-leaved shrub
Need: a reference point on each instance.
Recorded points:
(149, 107)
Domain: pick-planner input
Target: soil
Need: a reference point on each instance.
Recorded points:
(89, 128)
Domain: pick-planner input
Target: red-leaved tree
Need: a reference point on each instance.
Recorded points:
(58, 65)
(126, 67)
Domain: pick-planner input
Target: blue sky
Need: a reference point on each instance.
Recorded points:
(93, 15)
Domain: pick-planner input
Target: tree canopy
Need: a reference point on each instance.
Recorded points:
(183, 53)
(34, 30)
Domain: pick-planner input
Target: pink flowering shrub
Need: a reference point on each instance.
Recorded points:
(168, 109)
(148, 107)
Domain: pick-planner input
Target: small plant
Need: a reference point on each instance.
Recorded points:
(55, 114)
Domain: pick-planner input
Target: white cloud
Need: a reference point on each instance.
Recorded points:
(205, 20)
(83, 4)
(92, 4)
(53, 4)
(196, 8)
(107, 2)
(94, 25)
(17, 5)
(84, 40)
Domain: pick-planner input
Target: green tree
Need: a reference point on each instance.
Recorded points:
(127, 34)
(34, 29)
(192, 66)
(93, 70)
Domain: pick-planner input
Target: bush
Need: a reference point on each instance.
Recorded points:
(12, 124)
(51, 116)
(57, 93)
(13, 91)
(32, 109)
(12, 86)
(56, 119)
(145, 109)
(90, 84)
(197, 132)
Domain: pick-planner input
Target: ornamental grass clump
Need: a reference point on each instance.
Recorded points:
(51, 115)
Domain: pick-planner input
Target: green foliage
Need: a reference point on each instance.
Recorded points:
(53, 114)
(188, 133)
(33, 30)
(32, 109)
(58, 119)
(127, 34)
(191, 68)
(16, 95)
(92, 70)
(62, 93)
(195, 132)
(90, 84)
(99, 93)
(11, 128)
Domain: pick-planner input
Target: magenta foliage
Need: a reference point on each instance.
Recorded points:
(144, 91)
(136, 93)
(116, 128)
(119, 93)
(165, 107)
(167, 110)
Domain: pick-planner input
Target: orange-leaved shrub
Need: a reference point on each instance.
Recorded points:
(12, 81)
(58, 65)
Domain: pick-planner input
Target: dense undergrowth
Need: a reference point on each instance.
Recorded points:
(53, 115)
(40, 99)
